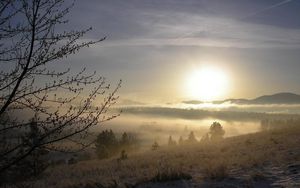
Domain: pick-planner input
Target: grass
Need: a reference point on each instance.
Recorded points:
(202, 162)
(257, 176)
(215, 171)
(170, 175)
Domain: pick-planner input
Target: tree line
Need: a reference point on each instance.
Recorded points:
(108, 145)
(215, 133)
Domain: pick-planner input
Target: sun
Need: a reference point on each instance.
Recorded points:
(206, 84)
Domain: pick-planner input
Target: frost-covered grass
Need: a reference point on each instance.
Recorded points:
(245, 156)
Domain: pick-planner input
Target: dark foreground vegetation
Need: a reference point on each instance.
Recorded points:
(43, 103)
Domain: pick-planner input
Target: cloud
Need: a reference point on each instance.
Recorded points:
(129, 102)
(200, 30)
(192, 102)
(234, 113)
(192, 23)
(269, 8)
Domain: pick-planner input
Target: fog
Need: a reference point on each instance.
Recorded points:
(153, 128)
(157, 123)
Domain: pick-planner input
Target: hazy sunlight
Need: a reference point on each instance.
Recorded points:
(207, 83)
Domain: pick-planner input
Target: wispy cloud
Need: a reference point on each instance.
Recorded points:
(184, 29)
(189, 23)
(268, 8)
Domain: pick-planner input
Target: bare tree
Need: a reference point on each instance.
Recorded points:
(63, 105)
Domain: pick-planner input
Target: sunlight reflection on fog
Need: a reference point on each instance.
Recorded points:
(159, 128)
(158, 122)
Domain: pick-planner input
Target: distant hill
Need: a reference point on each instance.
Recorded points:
(278, 98)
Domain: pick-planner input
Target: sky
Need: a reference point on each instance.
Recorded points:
(155, 45)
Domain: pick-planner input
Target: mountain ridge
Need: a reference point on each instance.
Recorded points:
(277, 98)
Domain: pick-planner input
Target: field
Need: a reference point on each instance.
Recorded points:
(264, 159)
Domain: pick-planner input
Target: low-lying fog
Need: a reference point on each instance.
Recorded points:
(157, 123)
(150, 129)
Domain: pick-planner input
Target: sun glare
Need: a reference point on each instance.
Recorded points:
(207, 84)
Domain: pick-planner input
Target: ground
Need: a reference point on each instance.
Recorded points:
(264, 159)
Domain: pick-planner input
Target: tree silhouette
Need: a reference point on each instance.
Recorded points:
(125, 140)
(107, 138)
(205, 138)
(106, 144)
(191, 138)
(34, 164)
(155, 146)
(123, 155)
(128, 141)
(180, 141)
(171, 142)
(61, 101)
(216, 131)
